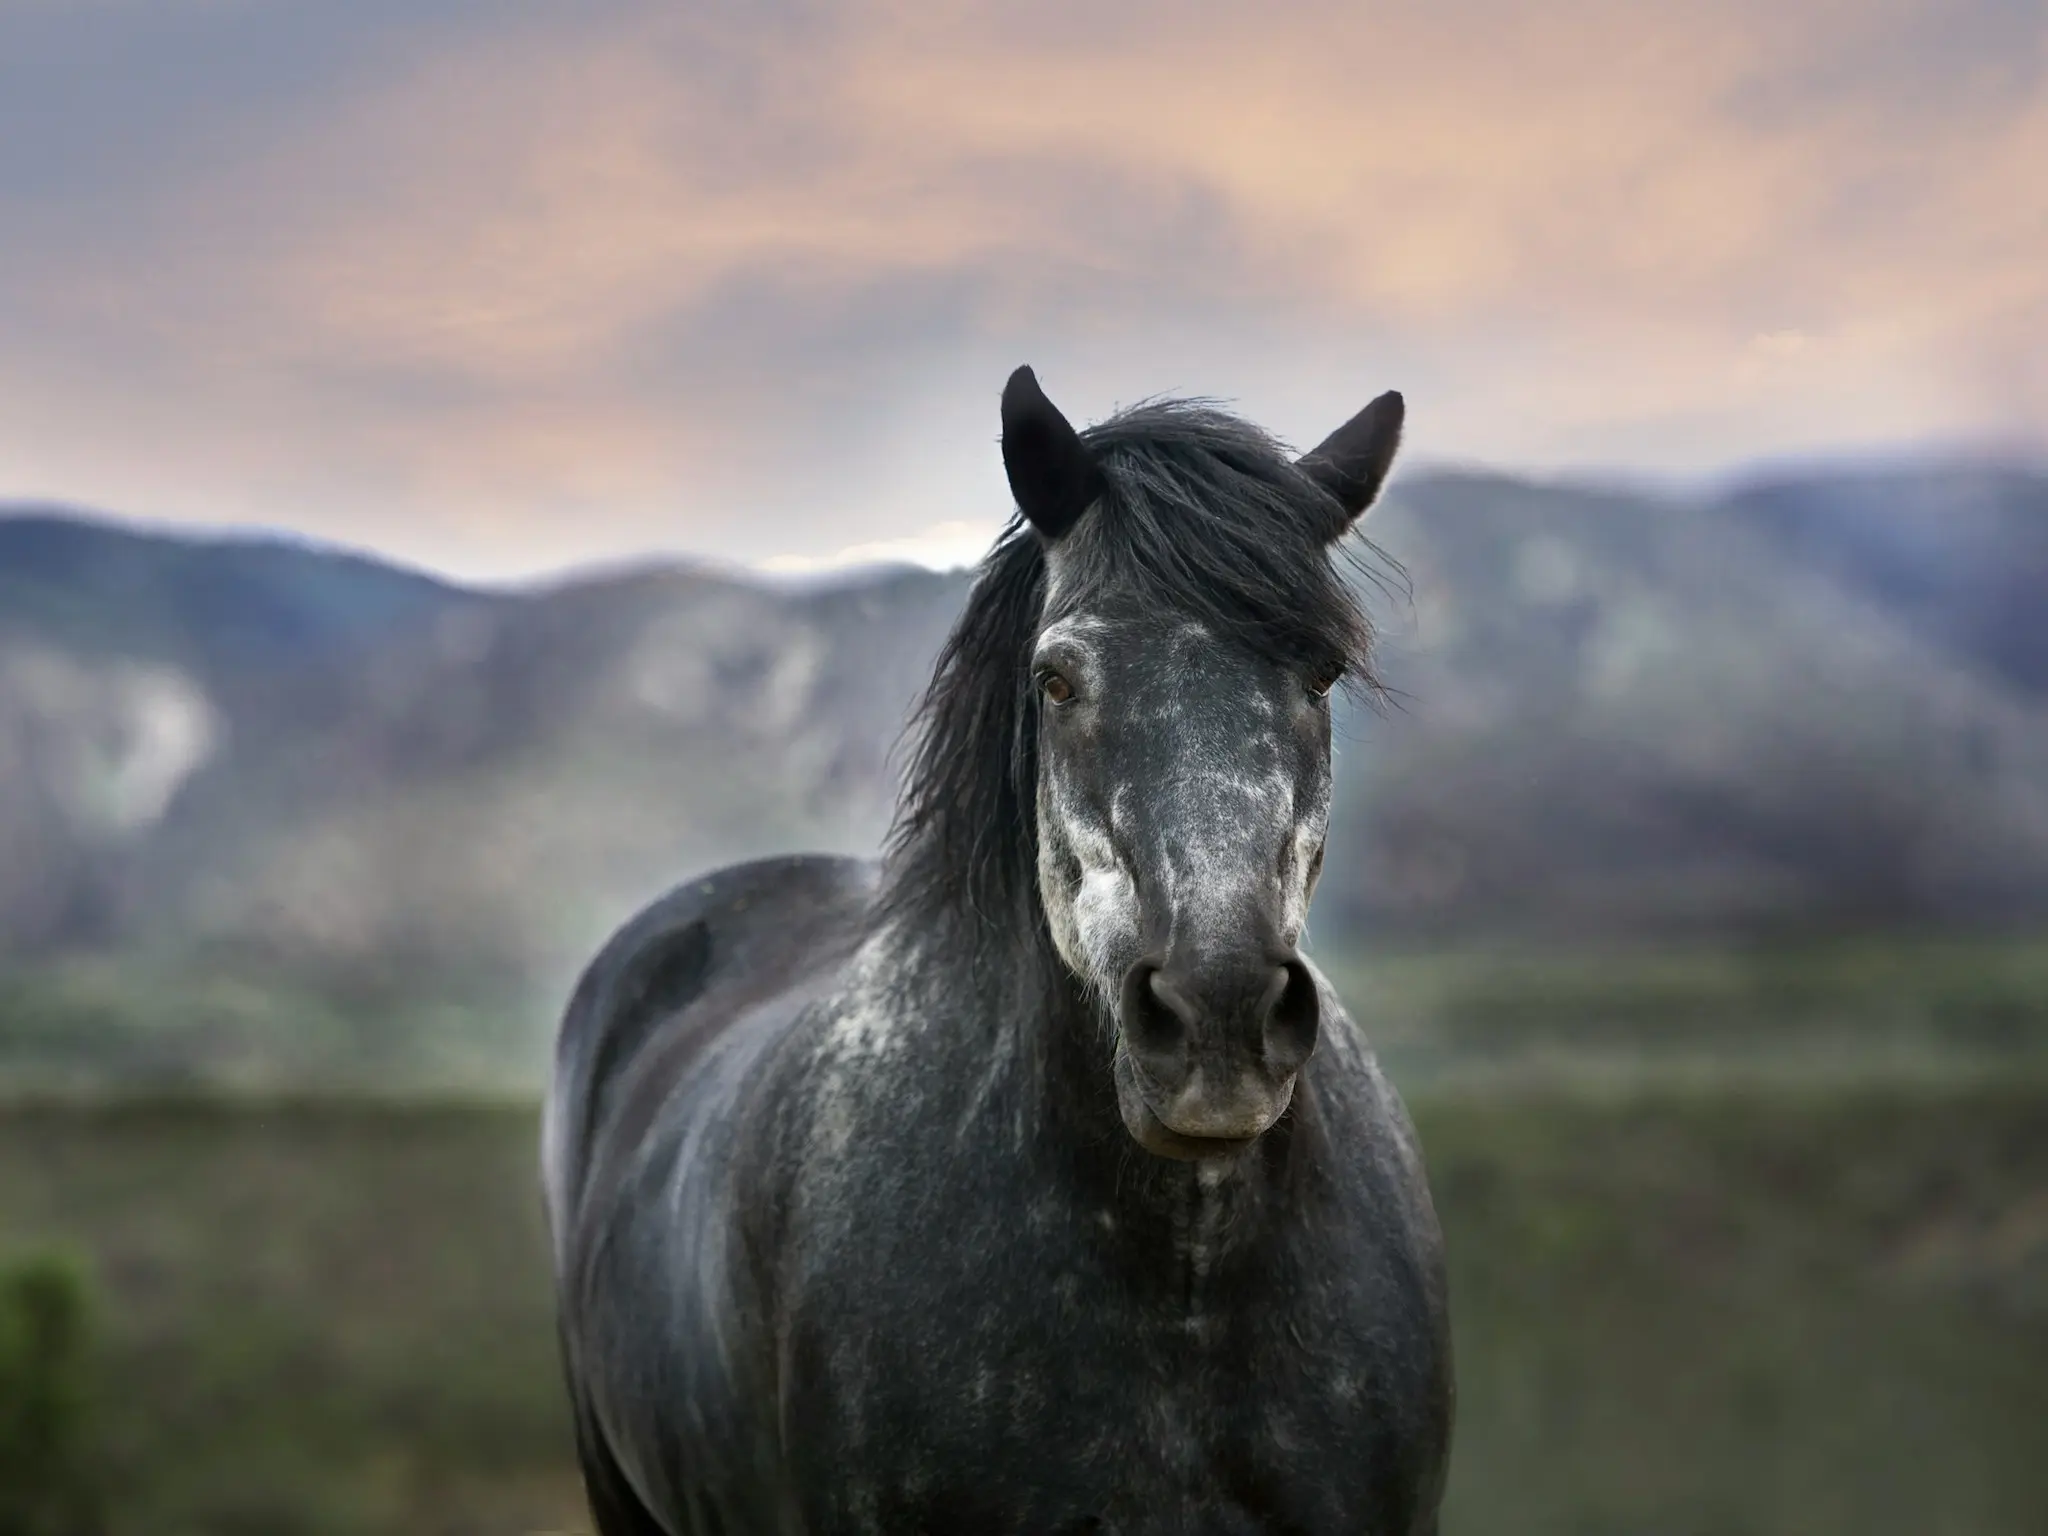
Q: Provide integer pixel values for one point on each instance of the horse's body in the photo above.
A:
(856, 1229)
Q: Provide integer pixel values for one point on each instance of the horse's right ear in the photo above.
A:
(1052, 474)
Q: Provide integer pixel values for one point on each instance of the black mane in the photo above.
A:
(1205, 517)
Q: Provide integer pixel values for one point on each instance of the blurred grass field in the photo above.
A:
(1825, 1009)
(1689, 1301)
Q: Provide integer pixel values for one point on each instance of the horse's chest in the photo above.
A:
(1031, 1375)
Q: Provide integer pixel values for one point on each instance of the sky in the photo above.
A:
(495, 288)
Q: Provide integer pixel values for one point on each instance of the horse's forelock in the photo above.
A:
(1209, 519)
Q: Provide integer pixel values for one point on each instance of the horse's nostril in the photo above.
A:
(1293, 1020)
(1155, 1016)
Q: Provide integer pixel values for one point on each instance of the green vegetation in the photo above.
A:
(47, 1486)
(319, 1320)
(1807, 1309)
(1800, 1310)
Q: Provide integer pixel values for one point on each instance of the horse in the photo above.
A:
(1029, 1178)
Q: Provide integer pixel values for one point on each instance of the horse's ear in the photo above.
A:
(1052, 474)
(1352, 462)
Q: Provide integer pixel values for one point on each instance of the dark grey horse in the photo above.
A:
(1033, 1181)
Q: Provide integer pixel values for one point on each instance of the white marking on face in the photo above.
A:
(1106, 908)
(1090, 917)
(1096, 917)
(1311, 828)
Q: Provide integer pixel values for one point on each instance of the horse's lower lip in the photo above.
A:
(1155, 1135)
(1161, 1138)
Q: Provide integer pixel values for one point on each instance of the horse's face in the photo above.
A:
(1182, 801)
(1183, 794)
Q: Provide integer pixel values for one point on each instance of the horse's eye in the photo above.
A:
(1057, 689)
(1320, 685)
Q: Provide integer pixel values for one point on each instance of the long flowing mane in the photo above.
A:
(1204, 517)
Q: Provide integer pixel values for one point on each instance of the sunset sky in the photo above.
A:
(497, 287)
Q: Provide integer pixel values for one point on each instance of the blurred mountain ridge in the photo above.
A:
(1816, 702)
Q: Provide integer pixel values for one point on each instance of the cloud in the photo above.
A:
(498, 286)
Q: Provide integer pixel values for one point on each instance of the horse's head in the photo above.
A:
(1192, 630)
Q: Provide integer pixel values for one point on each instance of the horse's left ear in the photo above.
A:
(1052, 474)
(1352, 462)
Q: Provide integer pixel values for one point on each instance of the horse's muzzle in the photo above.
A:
(1208, 1053)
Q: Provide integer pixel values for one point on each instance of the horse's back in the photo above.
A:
(668, 982)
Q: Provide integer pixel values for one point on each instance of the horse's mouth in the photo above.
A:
(1156, 1136)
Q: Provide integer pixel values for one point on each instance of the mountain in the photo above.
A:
(132, 662)
(223, 606)
(234, 772)
(1958, 552)
(1620, 715)
(263, 745)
